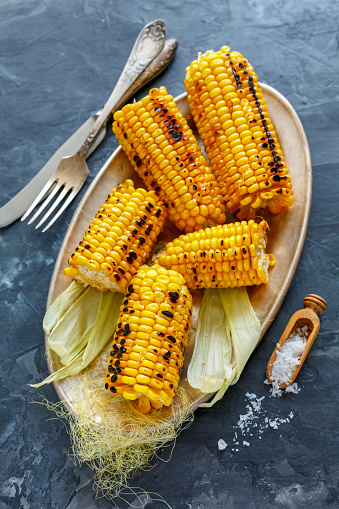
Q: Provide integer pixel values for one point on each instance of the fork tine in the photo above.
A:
(64, 191)
(62, 208)
(44, 204)
(44, 191)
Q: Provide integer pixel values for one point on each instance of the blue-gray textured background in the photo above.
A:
(59, 61)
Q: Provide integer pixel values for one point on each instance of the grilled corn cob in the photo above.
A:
(231, 116)
(119, 239)
(163, 150)
(150, 339)
(222, 256)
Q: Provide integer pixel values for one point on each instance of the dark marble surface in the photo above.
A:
(58, 63)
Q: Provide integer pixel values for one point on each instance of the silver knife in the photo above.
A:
(18, 205)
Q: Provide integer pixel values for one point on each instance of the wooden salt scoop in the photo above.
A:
(313, 306)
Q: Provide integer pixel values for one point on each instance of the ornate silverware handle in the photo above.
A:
(147, 46)
(158, 64)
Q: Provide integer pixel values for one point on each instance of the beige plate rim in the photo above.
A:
(282, 105)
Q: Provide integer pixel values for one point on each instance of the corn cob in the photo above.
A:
(151, 337)
(232, 119)
(231, 255)
(165, 153)
(119, 239)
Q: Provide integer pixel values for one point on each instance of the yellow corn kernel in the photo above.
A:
(153, 394)
(119, 239)
(156, 384)
(144, 358)
(130, 372)
(245, 245)
(141, 388)
(129, 393)
(180, 158)
(156, 404)
(232, 104)
(129, 380)
(144, 404)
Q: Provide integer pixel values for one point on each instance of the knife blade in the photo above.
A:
(18, 205)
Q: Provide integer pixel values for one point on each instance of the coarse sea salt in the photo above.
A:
(288, 358)
(221, 444)
(276, 392)
(252, 424)
(256, 421)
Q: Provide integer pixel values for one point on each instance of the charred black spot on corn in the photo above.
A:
(150, 359)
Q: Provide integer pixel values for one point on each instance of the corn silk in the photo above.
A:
(108, 432)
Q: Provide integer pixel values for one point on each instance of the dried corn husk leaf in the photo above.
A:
(96, 337)
(74, 324)
(211, 362)
(228, 332)
(60, 305)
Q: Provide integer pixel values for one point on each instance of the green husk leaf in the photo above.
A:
(104, 326)
(102, 330)
(211, 362)
(75, 323)
(60, 305)
(67, 358)
(244, 330)
(244, 324)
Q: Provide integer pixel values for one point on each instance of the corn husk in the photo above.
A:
(60, 305)
(211, 362)
(94, 339)
(227, 334)
(73, 325)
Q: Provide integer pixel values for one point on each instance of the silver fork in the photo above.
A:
(151, 53)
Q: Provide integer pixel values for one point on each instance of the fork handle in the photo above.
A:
(147, 46)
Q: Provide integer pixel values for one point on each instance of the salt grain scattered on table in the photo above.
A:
(221, 444)
(255, 422)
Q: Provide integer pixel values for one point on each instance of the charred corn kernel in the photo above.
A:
(224, 267)
(178, 171)
(147, 365)
(232, 119)
(119, 239)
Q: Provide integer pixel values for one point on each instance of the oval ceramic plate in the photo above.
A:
(285, 239)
